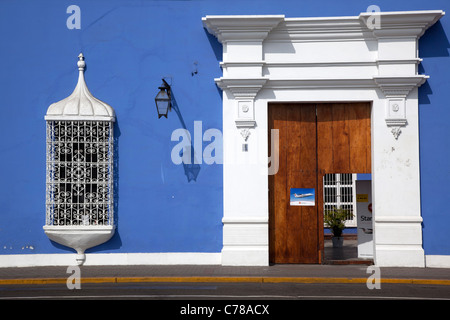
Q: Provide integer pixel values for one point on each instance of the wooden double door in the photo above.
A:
(314, 139)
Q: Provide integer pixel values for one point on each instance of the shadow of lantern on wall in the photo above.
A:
(165, 101)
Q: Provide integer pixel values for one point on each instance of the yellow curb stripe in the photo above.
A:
(417, 281)
(98, 280)
(54, 280)
(33, 281)
(313, 280)
(189, 279)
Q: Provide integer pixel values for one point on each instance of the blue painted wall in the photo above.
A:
(435, 136)
(129, 46)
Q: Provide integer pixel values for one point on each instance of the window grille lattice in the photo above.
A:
(79, 173)
(339, 189)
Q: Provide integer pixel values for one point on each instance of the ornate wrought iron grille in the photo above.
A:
(79, 173)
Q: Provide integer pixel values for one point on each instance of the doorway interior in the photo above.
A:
(349, 195)
(318, 142)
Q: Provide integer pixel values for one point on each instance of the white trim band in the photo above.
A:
(437, 261)
(109, 259)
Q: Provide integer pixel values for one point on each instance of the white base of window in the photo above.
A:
(111, 259)
(79, 238)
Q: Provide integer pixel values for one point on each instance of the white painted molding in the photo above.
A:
(244, 220)
(111, 259)
(399, 256)
(329, 83)
(437, 261)
(395, 86)
(241, 28)
(404, 24)
(244, 91)
(320, 29)
(246, 88)
(250, 30)
(396, 90)
(397, 219)
(245, 241)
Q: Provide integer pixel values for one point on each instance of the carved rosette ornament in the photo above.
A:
(396, 90)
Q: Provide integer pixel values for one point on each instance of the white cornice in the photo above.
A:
(289, 64)
(389, 85)
(399, 86)
(242, 88)
(337, 83)
(241, 28)
(403, 23)
(242, 64)
(320, 29)
(257, 28)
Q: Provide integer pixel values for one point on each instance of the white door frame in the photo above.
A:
(340, 59)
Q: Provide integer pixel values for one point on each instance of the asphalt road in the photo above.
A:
(225, 291)
(225, 300)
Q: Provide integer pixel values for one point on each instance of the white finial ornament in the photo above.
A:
(81, 104)
(81, 64)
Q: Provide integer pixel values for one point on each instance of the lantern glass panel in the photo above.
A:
(162, 102)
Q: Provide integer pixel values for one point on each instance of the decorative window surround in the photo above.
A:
(338, 59)
(80, 147)
(81, 104)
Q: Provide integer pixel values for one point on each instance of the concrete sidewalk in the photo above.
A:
(217, 273)
(342, 270)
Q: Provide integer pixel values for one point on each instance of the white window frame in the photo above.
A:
(80, 174)
(339, 203)
(78, 232)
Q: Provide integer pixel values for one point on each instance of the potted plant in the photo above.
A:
(335, 220)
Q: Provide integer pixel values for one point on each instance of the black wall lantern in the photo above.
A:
(163, 100)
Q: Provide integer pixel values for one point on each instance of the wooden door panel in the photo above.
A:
(293, 230)
(314, 139)
(343, 138)
(293, 173)
(325, 137)
(340, 143)
(277, 193)
(307, 234)
(343, 145)
(359, 137)
(324, 159)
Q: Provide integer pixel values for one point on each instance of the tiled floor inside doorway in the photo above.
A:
(348, 254)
